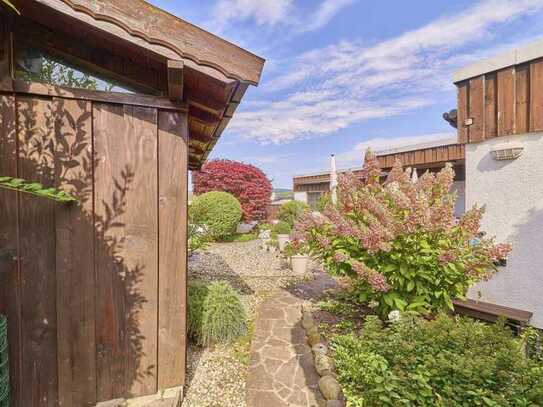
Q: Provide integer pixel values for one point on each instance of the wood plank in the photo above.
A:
(75, 254)
(536, 95)
(522, 98)
(159, 33)
(506, 102)
(126, 250)
(37, 249)
(175, 80)
(476, 110)
(173, 185)
(463, 110)
(5, 53)
(493, 311)
(10, 287)
(491, 103)
(42, 89)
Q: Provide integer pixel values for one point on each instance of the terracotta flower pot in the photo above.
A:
(282, 240)
(298, 264)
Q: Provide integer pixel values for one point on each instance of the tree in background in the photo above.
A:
(246, 182)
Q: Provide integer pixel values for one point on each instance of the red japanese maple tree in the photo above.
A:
(246, 182)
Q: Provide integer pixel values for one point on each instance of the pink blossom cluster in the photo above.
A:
(371, 214)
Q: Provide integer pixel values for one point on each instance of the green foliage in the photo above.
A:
(295, 247)
(264, 226)
(239, 237)
(399, 242)
(220, 212)
(282, 228)
(444, 362)
(291, 211)
(215, 313)
(33, 188)
(10, 5)
(198, 238)
(323, 202)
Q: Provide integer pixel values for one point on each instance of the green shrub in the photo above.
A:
(291, 211)
(239, 237)
(399, 241)
(198, 238)
(444, 362)
(220, 212)
(281, 228)
(215, 313)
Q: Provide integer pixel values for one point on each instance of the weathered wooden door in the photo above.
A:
(95, 292)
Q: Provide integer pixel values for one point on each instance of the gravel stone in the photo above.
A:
(217, 376)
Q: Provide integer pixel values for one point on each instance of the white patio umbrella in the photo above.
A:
(414, 176)
(333, 179)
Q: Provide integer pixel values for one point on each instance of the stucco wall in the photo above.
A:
(460, 188)
(300, 196)
(513, 194)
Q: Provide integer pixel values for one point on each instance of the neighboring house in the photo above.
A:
(498, 162)
(430, 156)
(500, 122)
(273, 208)
(113, 101)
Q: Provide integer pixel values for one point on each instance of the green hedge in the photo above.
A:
(444, 362)
(220, 212)
(291, 211)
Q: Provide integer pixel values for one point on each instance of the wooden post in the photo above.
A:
(175, 80)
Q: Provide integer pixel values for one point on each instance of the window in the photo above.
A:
(36, 65)
(313, 199)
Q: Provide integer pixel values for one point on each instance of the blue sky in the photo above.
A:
(342, 75)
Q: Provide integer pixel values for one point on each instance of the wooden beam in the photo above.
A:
(175, 80)
(203, 116)
(201, 137)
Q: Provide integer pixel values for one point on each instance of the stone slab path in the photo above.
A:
(281, 371)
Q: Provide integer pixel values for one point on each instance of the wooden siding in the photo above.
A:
(421, 159)
(95, 293)
(501, 103)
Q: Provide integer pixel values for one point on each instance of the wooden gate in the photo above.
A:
(95, 293)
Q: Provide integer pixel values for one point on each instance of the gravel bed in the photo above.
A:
(217, 376)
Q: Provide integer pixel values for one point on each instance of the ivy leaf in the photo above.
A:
(37, 189)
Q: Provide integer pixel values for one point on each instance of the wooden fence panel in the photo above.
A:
(522, 99)
(37, 248)
(476, 111)
(536, 96)
(75, 254)
(126, 249)
(10, 294)
(490, 108)
(173, 159)
(506, 102)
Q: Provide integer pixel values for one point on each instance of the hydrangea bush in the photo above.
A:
(399, 241)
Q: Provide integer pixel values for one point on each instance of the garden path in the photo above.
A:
(281, 370)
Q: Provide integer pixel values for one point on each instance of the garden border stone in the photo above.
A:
(322, 362)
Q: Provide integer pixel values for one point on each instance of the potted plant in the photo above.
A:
(264, 234)
(298, 253)
(282, 229)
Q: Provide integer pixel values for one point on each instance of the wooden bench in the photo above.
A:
(491, 312)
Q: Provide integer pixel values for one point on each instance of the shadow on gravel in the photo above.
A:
(225, 273)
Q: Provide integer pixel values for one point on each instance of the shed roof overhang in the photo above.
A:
(208, 73)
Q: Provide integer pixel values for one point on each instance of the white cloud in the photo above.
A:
(264, 12)
(355, 156)
(274, 12)
(326, 11)
(348, 82)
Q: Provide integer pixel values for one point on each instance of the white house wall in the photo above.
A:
(513, 194)
(460, 188)
(300, 196)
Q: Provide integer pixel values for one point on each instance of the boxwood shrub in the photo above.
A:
(220, 212)
(444, 362)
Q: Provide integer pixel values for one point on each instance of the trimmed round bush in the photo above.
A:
(290, 211)
(215, 313)
(220, 212)
(282, 228)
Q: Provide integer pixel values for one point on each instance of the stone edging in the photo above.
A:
(324, 365)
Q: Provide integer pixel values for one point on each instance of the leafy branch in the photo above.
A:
(10, 5)
(34, 188)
